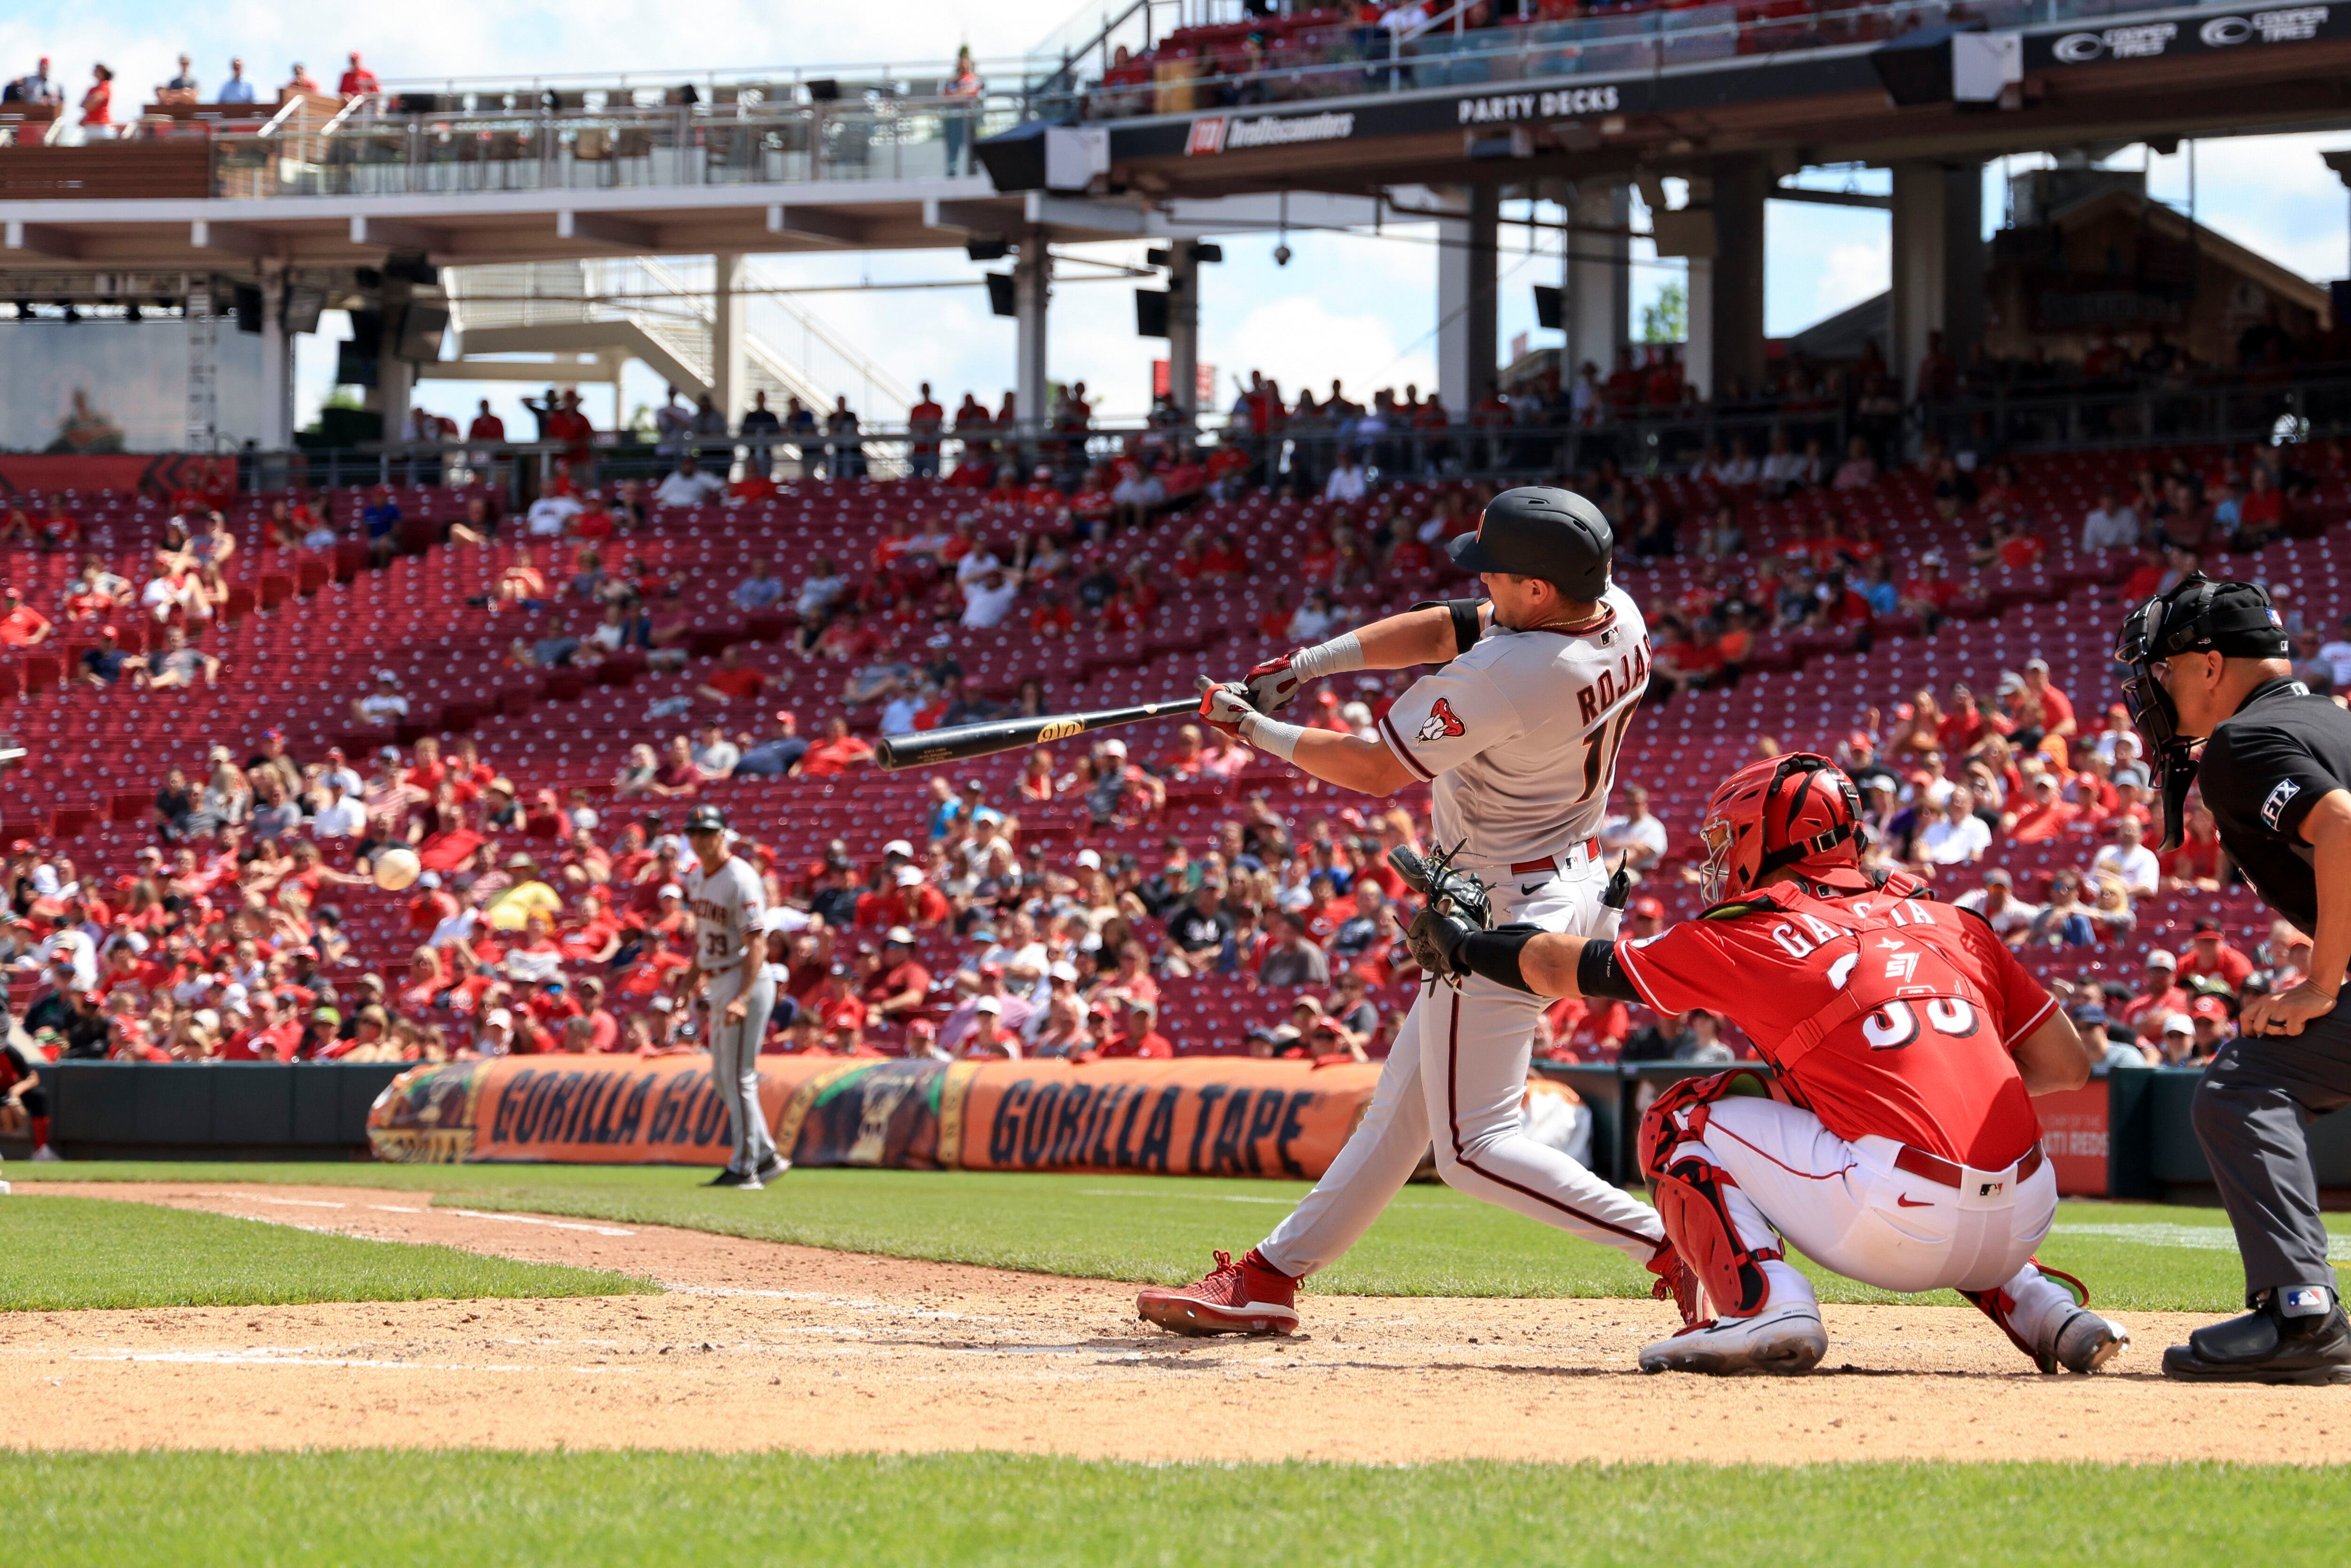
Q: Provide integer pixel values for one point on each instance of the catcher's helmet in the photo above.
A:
(705, 819)
(1798, 810)
(1538, 531)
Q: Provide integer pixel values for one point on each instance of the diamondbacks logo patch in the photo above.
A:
(1441, 724)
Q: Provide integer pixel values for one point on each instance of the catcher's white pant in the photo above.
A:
(735, 1063)
(1458, 1070)
(1847, 1206)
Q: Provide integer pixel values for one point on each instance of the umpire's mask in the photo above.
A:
(2234, 619)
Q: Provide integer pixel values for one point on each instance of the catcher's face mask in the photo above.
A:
(2234, 619)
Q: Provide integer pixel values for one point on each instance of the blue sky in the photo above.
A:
(1355, 307)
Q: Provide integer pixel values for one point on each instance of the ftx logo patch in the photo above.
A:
(2286, 791)
(1442, 725)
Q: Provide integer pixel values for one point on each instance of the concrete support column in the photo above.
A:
(1184, 327)
(729, 390)
(1699, 348)
(1732, 313)
(395, 385)
(1032, 291)
(1598, 275)
(1937, 264)
(276, 433)
(1466, 276)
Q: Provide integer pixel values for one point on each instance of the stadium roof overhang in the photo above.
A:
(231, 234)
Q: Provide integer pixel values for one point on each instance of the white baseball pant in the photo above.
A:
(1848, 1208)
(1458, 1068)
(735, 1062)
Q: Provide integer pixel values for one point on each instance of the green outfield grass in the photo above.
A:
(1432, 1240)
(71, 1252)
(660, 1507)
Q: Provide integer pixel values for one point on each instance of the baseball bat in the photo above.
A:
(926, 748)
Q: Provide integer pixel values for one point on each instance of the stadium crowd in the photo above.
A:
(555, 921)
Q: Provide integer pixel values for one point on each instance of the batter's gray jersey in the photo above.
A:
(728, 905)
(1519, 734)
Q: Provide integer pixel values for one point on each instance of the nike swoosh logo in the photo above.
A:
(1900, 1202)
(1530, 887)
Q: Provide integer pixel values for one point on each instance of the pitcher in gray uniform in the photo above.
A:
(730, 969)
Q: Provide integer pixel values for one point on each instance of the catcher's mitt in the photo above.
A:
(1458, 905)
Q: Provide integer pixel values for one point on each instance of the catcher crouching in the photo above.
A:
(1896, 1142)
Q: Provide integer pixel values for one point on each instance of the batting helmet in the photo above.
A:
(705, 819)
(1538, 531)
(1798, 810)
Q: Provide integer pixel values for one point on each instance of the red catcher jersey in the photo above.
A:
(1886, 1015)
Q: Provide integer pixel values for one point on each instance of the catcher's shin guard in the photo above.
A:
(1691, 1192)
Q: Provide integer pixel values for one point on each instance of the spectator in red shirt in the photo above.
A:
(2044, 709)
(909, 901)
(1931, 593)
(1139, 1039)
(2209, 957)
(2160, 996)
(2044, 814)
(835, 754)
(2199, 861)
(356, 80)
(901, 986)
(732, 681)
(21, 625)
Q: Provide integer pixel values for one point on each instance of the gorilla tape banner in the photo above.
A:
(1207, 1116)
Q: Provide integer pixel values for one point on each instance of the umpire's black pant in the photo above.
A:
(2252, 1113)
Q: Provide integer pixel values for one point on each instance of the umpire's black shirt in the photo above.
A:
(2264, 768)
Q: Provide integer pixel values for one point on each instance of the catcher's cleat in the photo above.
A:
(1250, 1297)
(2076, 1340)
(2086, 1342)
(1785, 1339)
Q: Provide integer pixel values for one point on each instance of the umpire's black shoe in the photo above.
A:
(2266, 1347)
(730, 1176)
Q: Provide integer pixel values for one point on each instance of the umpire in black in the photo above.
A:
(2208, 661)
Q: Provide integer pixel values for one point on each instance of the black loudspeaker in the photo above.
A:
(1015, 160)
(1151, 313)
(356, 364)
(413, 266)
(421, 327)
(1002, 300)
(249, 307)
(1549, 313)
(824, 89)
(1917, 68)
(987, 249)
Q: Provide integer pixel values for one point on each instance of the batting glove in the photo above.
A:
(1273, 685)
(1224, 705)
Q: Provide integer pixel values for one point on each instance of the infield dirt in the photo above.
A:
(763, 1345)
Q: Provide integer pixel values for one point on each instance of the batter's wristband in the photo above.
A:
(1335, 657)
(1495, 955)
(1271, 735)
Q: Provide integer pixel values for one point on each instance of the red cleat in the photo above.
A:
(1249, 1297)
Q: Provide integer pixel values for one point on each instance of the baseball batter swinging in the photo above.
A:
(729, 964)
(1896, 1142)
(1519, 732)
